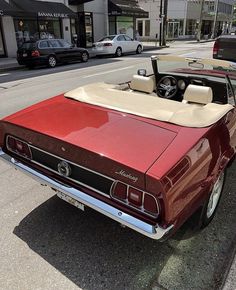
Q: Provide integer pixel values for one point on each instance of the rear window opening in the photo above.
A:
(28, 45)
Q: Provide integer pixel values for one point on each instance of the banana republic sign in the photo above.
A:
(52, 14)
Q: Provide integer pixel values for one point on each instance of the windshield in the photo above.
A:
(28, 45)
(107, 38)
(215, 70)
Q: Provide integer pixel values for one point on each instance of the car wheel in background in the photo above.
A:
(52, 61)
(209, 208)
(84, 56)
(118, 52)
(139, 49)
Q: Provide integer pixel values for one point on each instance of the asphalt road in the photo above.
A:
(47, 244)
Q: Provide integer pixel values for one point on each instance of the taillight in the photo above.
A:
(107, 44)
(120, 191)
(216, 47)
(18, 147)
(135, 198)
(35, 53)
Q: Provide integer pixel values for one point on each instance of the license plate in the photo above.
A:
(24, 54)
(70, 200)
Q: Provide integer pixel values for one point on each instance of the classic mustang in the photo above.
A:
(148, 153)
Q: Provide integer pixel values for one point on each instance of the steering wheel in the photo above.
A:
(167, 87)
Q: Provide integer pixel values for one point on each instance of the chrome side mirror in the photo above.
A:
(142, 72)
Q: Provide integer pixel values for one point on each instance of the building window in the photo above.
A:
(125, 25)
(49, 28)
(25, 29)
(191, 27)
(143, 27)
(89, 29)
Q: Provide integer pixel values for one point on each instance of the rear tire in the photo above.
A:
(52, 61)
(84, 56)
(139, 49)
(118, 52)
(210, 206)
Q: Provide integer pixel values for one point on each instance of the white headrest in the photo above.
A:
(198, 94)
(143, 83)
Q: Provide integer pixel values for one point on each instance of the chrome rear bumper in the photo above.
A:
(154, 232)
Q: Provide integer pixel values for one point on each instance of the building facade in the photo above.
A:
(183, 18)
(79, 21)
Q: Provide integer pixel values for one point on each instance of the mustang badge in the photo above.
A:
(64, 168)
(127, 175)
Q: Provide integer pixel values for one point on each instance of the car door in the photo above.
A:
(69, 51)
(130, 44)
(121, 42)
(57, 49)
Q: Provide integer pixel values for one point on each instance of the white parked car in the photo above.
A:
(117, 45)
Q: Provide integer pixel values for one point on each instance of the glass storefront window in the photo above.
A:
(125, 25)
(143, 27)
(191, 27)
(89, 29)
(2, 50)
(49, 28)
(25, 29)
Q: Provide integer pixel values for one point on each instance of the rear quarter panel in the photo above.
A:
(187, 175)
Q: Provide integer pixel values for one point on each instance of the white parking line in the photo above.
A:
(188, 54)
(3, 75)
(107, 72)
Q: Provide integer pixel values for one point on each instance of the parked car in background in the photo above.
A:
(225, 48)
(148, 153)
(49, 52)
(117, 45)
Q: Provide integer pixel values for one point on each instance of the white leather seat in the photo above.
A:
(198, 95)
(143, 84)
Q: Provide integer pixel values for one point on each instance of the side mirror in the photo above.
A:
(142, 72)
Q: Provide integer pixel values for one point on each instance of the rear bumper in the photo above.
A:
(154, 232)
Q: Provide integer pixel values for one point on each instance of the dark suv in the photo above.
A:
(49, 52)
(225, 48)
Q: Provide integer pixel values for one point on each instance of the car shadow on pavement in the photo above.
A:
(94, 252)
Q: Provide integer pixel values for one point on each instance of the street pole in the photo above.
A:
(200, 21)
(215, 19)
(161, 23)
(165, 22)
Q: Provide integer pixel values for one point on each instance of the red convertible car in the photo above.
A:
(148, 153)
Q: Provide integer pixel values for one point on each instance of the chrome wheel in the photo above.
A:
(84, 57)
(52, 61)
(215, 195)
(139, 49)
(118, 52)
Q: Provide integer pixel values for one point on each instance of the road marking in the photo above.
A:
(3, 75)
(188, 54)
(107, 72)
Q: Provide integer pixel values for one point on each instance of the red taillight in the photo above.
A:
(216, 47)
(150, 204)
(18, 147)
(135, 196)
(107, 44)
(35, 53)
(120, 191)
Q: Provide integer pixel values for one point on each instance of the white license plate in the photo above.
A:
(70, 200)
(24, 54)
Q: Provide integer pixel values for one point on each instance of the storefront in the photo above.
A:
(39, 19)
(122, 16)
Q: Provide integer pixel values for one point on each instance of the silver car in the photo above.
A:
(117, 45)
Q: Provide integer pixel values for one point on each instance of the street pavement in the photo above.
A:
(48, 244)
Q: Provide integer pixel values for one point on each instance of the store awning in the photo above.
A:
(126, 8)
(7, 9)
(78, 2)
(44, 9)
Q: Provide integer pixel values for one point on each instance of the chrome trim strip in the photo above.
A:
(154, 232)
(62, 159)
